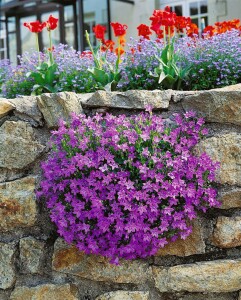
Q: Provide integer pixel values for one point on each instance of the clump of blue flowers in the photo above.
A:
(123, 187)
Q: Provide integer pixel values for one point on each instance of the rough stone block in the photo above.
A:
(45, 292)
(225, 149)
(193, 244)
(230, 198)
(27, 110)
(124, 295)
(31, 255)
(133, 99)
(5, 107)
(217, 105)
(227, 233)
(17, 204)
(58, 106)
(7, 267)
(68, 259)
(18, 147)
(220, 276)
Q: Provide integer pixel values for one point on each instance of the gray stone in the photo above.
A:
(68, 259)
(5, 107)
(58, 106)
(218, 105)
(18, 147)
(26, 109)
(46, 292)
(178, 96)
(227, 233)
(133, 99)
(124, 295)
(226, 149)
(31, 255)
(220, 276)
(230, 198)
(84, 97)
(18, 204)
(7, 268)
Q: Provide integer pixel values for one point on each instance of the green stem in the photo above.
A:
(51, 59)
(169, 35)
(118, 56)
(164, 36)
(97, 64)
(37, 43)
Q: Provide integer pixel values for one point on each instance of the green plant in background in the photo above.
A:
(169, 75)
(44, 76)
(107, 75)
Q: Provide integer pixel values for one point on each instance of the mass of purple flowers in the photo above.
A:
(123, 187)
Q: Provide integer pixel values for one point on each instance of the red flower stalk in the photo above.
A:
(51, 49)
(144, 30)
(108, 45)
(52, 23)
(119, 29)
(162, 18)
(119, 51)
(35, 26)
(99, 31)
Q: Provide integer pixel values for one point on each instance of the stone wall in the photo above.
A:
(36, 264)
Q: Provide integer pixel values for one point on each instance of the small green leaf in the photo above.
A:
(100, 76)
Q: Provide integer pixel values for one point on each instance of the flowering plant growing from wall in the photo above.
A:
(44, 74)
(124, 187)
(106, 74)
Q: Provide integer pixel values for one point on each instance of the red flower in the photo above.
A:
(35, 26)
(182, 23)
(87, 54)
(144, 30)
(192, 30)
(119, 29)
(167, 8)
(52, 23)
(108, 45)
(162, 18)
(209, 30)
(99, 31)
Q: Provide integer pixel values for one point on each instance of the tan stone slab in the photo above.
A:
(46, 292)
(68, 259)
(133, 99)
(124, 295)
(193, 244)
(226, 149)
(58, 106)
(217, 105)
(220, 276)
(18, 147)
(227, 232)
(18, 204)
(231, 198)
(209, 296)
(5, 107)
